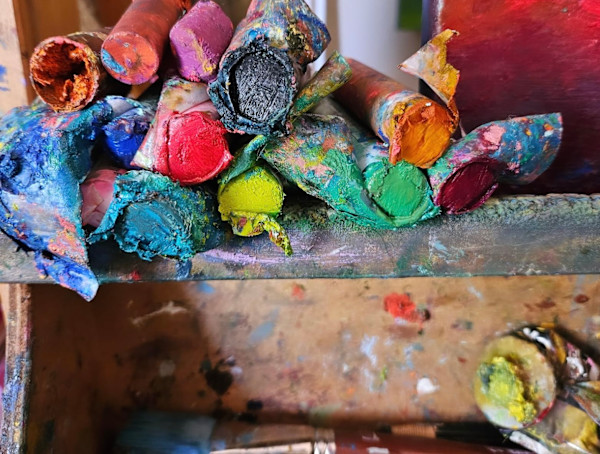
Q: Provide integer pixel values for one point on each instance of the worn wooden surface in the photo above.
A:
(511, 236)
(13, 79)
(318, 351)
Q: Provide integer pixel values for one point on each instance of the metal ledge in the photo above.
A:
(523, 235)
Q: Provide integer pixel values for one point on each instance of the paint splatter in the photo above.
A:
(426, 386)
(399, 305)
(298, 292)
(265, 329)
(218, 378)
(463, 325)
(546, 304)
(204, 287)
(2, 79)
(366, 347)
(582, 299)
(254, 405)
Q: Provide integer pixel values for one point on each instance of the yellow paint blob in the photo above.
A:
(504, 387)
(257, 190)
(422, 134)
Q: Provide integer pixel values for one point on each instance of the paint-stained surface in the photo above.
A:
(13, 80)
(523, 57)
(506, 236)
(320, 351)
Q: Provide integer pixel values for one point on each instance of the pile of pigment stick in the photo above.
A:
(224, 116)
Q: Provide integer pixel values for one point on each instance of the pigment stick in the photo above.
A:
(187, 141)
(401, 190)
(133, 50)
(151, 215)
(161, 432)
(260, 71)
(67, 73)
(416, 128)
(199, 39)
(514, 151)
(44, 155)
(251, 202)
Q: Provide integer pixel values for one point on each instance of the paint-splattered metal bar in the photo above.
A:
(67, 73)
(133, 51)
(199, 39)
(187, 141)
(416, 128)
(401, 190)
(151, 215)
(514, 151)
(259, 73)
(43, 157)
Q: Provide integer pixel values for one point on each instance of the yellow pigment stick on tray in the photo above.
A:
(251, 201)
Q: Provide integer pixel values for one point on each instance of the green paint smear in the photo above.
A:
(503, 387)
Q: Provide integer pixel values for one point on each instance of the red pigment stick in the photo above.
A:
(134, 49)
(199, 39)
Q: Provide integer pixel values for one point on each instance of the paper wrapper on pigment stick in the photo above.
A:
(67, 72)
(514, 151)
(416, 128)
(152, 215)
(260, 70)
(251, 202)
(199, 39)
(133, 50)
(401, 190)
(317, 157)
(44, 156)
(124, 134)
(187, 141)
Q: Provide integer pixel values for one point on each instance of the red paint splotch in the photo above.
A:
(399, 305)
(298, 291)
(582, 299)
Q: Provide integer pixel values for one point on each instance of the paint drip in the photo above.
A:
(400, 305)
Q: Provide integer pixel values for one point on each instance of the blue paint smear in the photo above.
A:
(264, 330)
(2, 73)
(205, 288)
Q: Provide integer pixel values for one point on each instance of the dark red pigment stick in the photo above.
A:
(133, 50)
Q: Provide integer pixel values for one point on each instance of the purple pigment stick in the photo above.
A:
(199, 39)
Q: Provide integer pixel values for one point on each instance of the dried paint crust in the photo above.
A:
(43, 158)
(151, 215)
(67, 73)
(260, 70)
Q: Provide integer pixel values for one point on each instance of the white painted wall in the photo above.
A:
(367, 30)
